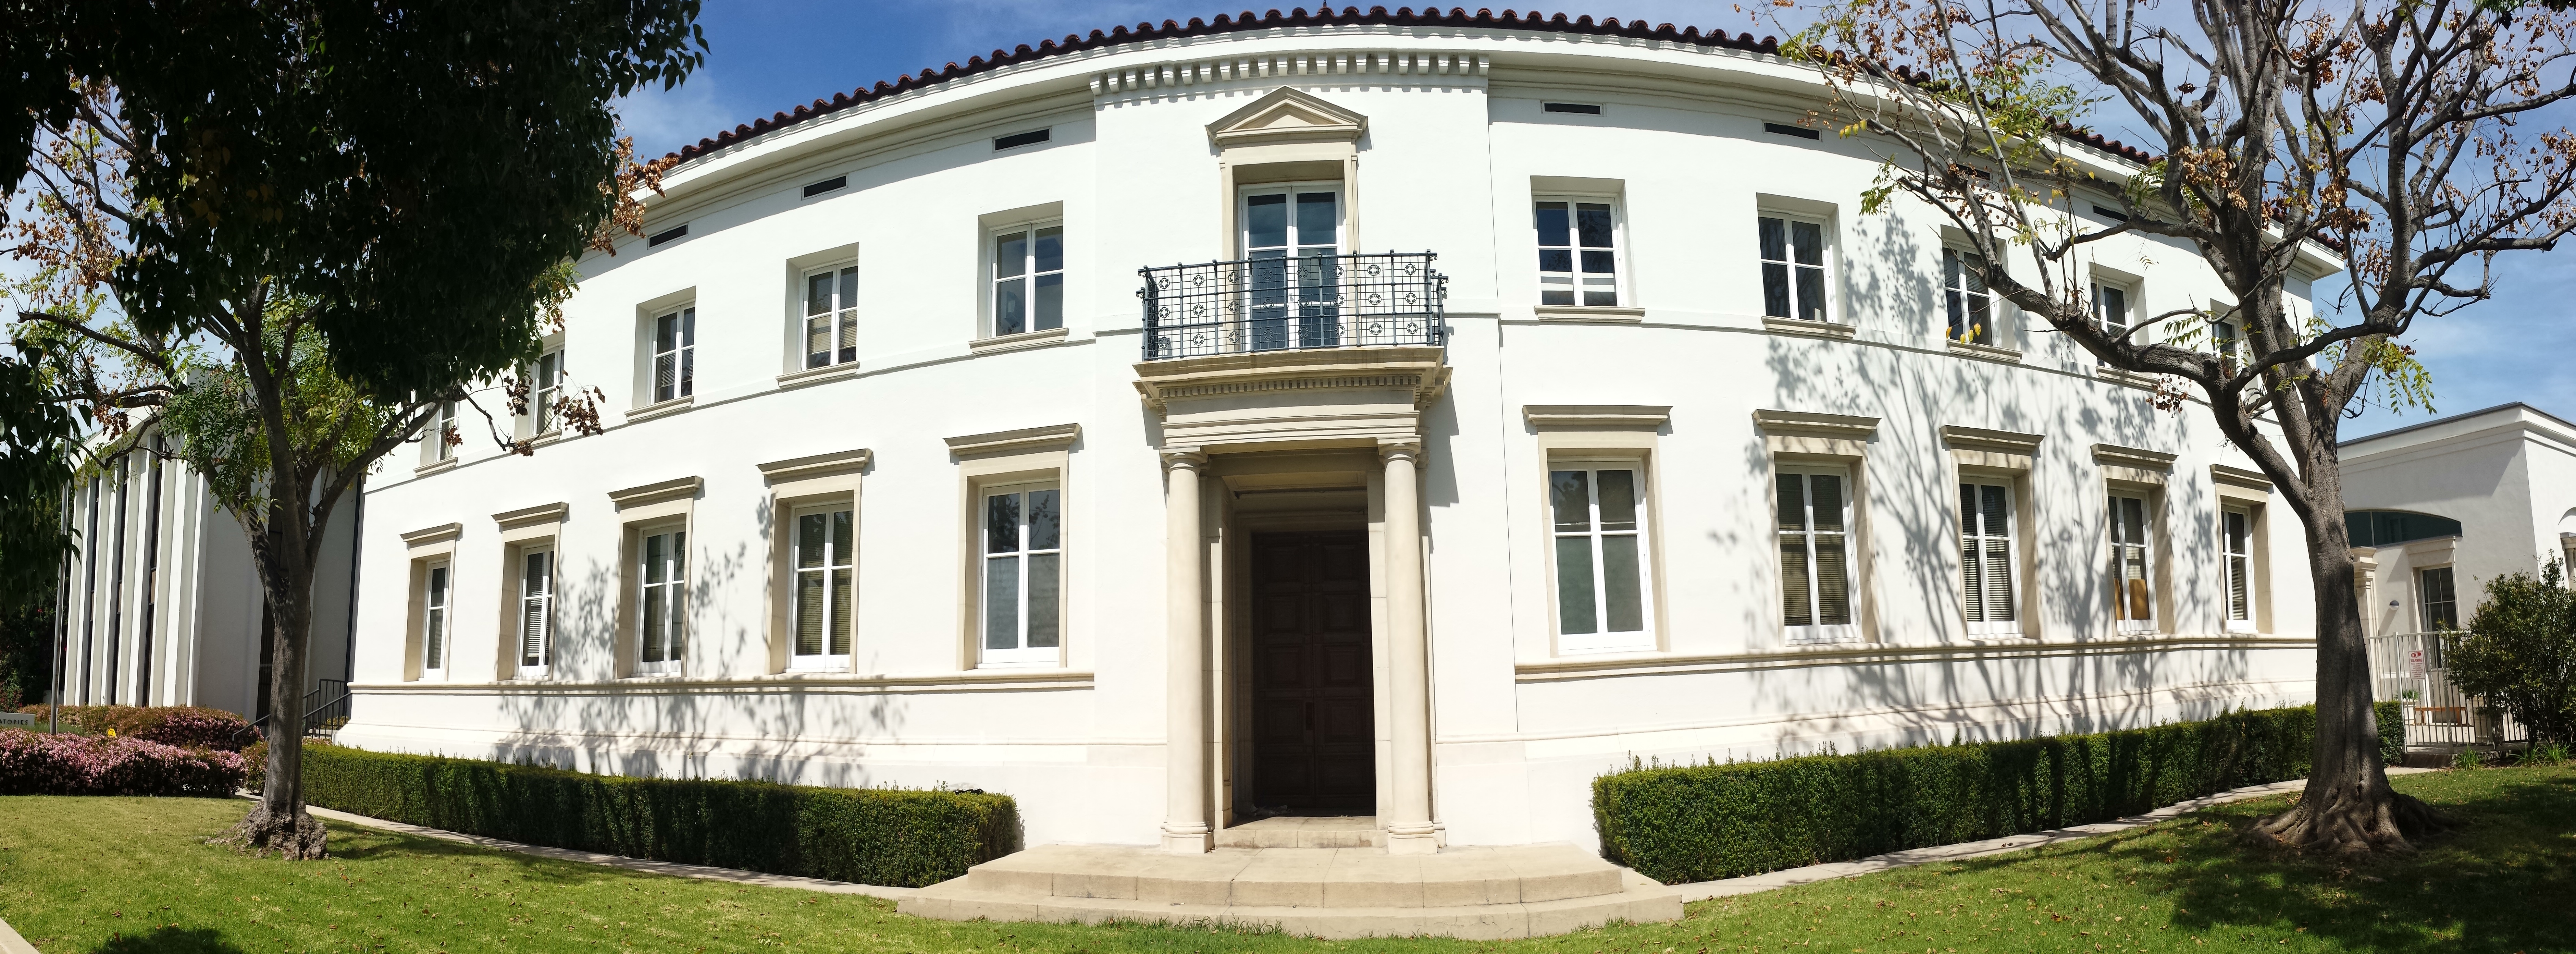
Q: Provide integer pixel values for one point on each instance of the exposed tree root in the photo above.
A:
(2352, 819)
(296, 837)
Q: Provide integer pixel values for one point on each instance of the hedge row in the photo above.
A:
(1704, 822)
(866, 836)
(38, 763)
(188, 727)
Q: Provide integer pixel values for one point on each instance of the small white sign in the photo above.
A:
(2415, 663)
(17, 719)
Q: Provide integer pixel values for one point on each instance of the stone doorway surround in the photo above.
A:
(1324, 423)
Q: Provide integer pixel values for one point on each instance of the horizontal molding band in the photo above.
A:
(1004, 680)
(1559, 670)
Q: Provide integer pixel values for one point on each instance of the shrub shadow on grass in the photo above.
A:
(170, 940)
(357, 843)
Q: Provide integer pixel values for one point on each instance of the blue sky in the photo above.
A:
(769, 55)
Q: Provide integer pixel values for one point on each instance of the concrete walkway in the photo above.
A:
(1790, 877)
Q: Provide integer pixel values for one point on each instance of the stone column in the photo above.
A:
(1408, 821)
(1185, 820)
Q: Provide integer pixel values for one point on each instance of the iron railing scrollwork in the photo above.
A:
(1279, 303)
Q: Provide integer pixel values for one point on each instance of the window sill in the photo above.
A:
(1590, 315)
(663, 409)
(433, 467)
(1021, 341)
(664, 675)
(546, 439)
(1796, 327)
(1983, 352)
(830, 372)
(2144, 382)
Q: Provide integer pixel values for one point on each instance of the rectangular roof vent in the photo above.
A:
(1587, 109)
(1016, 140)
(666, 235)
(1787, 130)
(826, 185)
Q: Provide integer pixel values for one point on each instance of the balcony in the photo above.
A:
(1277, 303)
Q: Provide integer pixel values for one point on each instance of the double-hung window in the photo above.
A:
(2236, 555)
(1971, 305)
(2441, 601)
(1986, 550)
(823, 562)
(1815, 554)
(433, 622)
(536, 610)
(662, 632)
(1023, 579)
(2132, 598)
(2111, 309)
(546, 390)
(832, 317)
(675, 355)
(1028, 279)
(443, 428)
(1599, 514)
(1793, 269)
(1578, 253)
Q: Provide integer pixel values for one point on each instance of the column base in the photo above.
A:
(1420, 838)
(1187, 839)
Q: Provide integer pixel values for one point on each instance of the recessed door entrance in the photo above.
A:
(1313, 748)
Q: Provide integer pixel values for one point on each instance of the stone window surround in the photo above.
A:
(427, 546)
(1615, 192)
(794, 484)
(2145, 474)
(791, 359)
(1600, 433)
(1838, 440)
(1010, 457)
(655, 506)
(521, 530)
(2012, 458)
(2249, 491)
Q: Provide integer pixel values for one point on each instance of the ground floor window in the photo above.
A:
(1988, 588)
(536, 610)
(2132, 600)
(1023, 574)
(2236, 551)
(662, 633)
(822, 557)
(1599, 514)
(433, 622)
(1815, 554)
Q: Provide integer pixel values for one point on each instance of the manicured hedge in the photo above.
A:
(867, 836)
(38, 763)
(188, 727)
(1704, 822)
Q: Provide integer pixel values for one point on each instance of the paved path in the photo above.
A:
(1749, 884)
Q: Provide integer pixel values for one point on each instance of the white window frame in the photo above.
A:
(1816, 631)
(1578, 282)
(2424, 596)
(1304, 295)
(1029, 278)
(443, 422)
(839, 313)
(437, 618)
(1021, 653)
(1798, 308)
(2126, 553)
(837, 555)
(2236, 570)
(1602, 638)
(1973, 526)
(545, 384)
(1962, 289)
(673, 372)
(670, 595)
(543, 637)
(2103, 314)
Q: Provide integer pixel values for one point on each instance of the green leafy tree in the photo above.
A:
(2519, 653)
(2389, 150)
(287, 232)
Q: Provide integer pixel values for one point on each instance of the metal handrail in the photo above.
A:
(1375, 299)
(326, 707)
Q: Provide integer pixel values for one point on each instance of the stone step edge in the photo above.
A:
(1641, 901)
(1608, 881)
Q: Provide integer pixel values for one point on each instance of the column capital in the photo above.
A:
(1183, 458)
(1390, 450)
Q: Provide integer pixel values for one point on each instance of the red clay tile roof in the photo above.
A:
(1246, 21)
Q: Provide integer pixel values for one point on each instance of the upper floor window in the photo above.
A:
(536, 610)
(1971, 304)
(1293, 284)
(2111, 309)
(1578, 253)
(820, 617)
(1986, 555)
(832, 317)
(662, 631)
(1599, 514)
(675, 355)
(547, 390)
(2132, 601)
(1028, 279)
(1815, 554)
(1023, 584)
(433, 622)
(1793, 268)
(2236, 554)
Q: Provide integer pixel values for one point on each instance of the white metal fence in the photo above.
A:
(2407, 668)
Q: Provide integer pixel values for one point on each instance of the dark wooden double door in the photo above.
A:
(1314, 750)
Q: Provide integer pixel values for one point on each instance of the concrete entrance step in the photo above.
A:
(1335, 831)
(1484, 893)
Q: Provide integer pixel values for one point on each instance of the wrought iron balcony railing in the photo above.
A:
(1279, 303)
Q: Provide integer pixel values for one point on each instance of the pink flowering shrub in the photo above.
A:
(34, 763)
(188, 727)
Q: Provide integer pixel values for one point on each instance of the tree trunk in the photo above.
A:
(279, 822)
(2348, 806)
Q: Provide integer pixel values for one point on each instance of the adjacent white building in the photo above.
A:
(2454, 502)
(1550, 404)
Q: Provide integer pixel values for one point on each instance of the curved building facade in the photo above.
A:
(1408, 417)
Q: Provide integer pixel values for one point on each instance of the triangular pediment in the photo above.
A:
(1288, 114)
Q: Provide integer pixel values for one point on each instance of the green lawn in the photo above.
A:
(131, 875)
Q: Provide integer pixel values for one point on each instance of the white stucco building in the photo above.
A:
(1664, 450)
(2454, 502)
